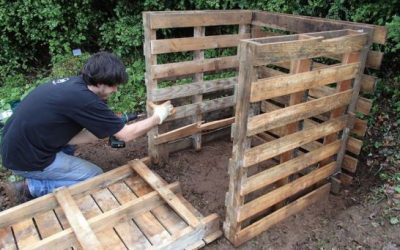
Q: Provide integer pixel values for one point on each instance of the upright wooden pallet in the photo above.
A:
(274, 24)
(127, 208)
(192, 119)
(297, 150)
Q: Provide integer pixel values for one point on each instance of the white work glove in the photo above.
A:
(163, 110)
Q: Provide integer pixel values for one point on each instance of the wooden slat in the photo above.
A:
(283, 85)
(193, 89)
(279, 215)
(268, 150)
(350, 163)
(178, 133)
(360, 127)
(192, 129)
(167, 195)
(47, 223)
(168, 70)
(278, 118)
(127, 230)
(368, 83)
(108, 219)
(354, 145)
(25, 233)
(374, 59)
(238, 174)
(164, 214)
(7, 239)
(179, 19)
(205, 106)
(302, 49)
(195, 43)
(79, 224)
(285, 169)
(364, 105)
(305, 24)
(279, 194)
(90, 209)
(197, 78)
(157, 153)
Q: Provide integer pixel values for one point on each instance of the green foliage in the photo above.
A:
(33, 31)
(132, 95)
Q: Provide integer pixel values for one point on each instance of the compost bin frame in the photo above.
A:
(192, 130)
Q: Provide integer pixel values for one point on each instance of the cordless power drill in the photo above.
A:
(125, 118)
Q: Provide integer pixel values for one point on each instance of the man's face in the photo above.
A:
(104, 91)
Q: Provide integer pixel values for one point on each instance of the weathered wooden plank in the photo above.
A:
(256, 206)
(364, 105)
(302, 49)
(360, 127)
(180, 19)
(178, 133)
(25, 233)
(374, 59)
(166, 194)
(288, 84)
(198, 77)
(271, 149)
(203, 107)
(238, 174)
(350, 163)
(368, 83)
(194, 88)
(354, 145)
(165, 215)
(285, 169)
(195, 43)
(6, 239)
(47, 223)
(256, 32)
(192, 129)
(168, 70)
(127, 230)
(108, 219)
(158, 154)
(278, 118)
(79, 224)
(305, 24)
(279, 215)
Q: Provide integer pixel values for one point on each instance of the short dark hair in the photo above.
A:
(104, 68)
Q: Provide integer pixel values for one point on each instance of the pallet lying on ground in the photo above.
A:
(127, 208)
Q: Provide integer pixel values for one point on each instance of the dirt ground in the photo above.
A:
(351, 220)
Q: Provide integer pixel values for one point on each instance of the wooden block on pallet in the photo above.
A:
(125, 212)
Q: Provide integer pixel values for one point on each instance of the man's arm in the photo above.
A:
(85, 136)
(132, 131)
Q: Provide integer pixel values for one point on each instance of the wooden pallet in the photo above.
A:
(306, 152)
(127, 208)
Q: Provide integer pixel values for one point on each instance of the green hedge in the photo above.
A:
(38, 36)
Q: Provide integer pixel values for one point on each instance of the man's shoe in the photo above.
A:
(17, 192)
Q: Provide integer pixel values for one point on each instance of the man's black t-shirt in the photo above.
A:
(48, 118)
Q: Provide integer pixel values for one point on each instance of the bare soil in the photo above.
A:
(350, 220)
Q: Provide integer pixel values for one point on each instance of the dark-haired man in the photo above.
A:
(64, 112)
